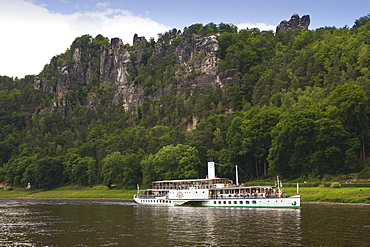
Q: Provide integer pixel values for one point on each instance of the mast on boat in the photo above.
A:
(278, 185)
(297, 188)
(212, 173)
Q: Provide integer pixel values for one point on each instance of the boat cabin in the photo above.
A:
(191, 183)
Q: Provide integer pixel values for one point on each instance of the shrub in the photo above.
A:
(365, 173)
(327, 177)
(356, 184)
(335, 185)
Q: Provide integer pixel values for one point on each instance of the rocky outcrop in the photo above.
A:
(295, 22)
(40, 84)
(198, 54)
(68, 77)
(197, 57)
(116, 67)
(119, 65)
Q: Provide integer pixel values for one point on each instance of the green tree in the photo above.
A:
(171, 162)
(362, 21)
(93, 174)
(81, 170)
(16, 169)
(292, 144)
(257, 135)
(48, 172)
(131, 173)
(235, 141)
(112, 169)
(351, 102)
(334, 148)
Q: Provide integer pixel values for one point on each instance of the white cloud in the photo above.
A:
(32, 35)
(261, 26)
(103, 5)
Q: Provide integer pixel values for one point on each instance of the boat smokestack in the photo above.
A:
(211, 170)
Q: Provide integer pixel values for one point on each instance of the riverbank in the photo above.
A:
(316, 195)
(335, 203)
(322, 194)
(73, 192)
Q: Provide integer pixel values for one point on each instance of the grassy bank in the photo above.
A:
(327, 194)
(308, 194)
(70, 192)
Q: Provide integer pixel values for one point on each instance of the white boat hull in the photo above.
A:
(273, 202)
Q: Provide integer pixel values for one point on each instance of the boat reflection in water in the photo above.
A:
(224, 226)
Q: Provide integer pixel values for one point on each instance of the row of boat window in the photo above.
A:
(156, 201)
(186, 192)
(236, 202)
(214, 202)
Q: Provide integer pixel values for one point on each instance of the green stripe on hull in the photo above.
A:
(193, 204)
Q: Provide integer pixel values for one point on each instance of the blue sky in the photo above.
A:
(184, 13)
(37, 30)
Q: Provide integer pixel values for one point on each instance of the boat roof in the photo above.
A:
(214, 180)
(255, 187)
(230, 188)
(191, 180)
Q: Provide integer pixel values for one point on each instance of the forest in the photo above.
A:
(298, 107)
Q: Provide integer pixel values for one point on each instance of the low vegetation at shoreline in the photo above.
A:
(70, 192)
(308, 194)
(327, 194)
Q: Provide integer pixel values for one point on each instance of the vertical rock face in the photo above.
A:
(196, 57)
(116, 67)
(71, 76)
(198, 54)
(115, 63)
(295, 22)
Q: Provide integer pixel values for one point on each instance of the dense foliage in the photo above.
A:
(299, 106)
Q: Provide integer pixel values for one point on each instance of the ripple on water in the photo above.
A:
(114, 223)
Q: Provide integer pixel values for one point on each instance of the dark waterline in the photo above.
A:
(48, 222)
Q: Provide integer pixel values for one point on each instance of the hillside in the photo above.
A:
(293, 103)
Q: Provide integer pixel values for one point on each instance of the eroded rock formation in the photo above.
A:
(195, 55)
(295, 22)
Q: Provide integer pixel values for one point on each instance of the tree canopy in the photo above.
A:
(298, 105)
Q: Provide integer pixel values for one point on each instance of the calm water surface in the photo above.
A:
(114, 223)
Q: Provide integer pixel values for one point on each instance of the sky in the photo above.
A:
(33, 31)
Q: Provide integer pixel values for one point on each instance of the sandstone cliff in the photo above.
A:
(295, 22)
(119, 64)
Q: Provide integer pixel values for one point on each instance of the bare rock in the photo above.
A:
(295, 22)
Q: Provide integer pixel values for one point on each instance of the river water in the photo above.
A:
(41, 222)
